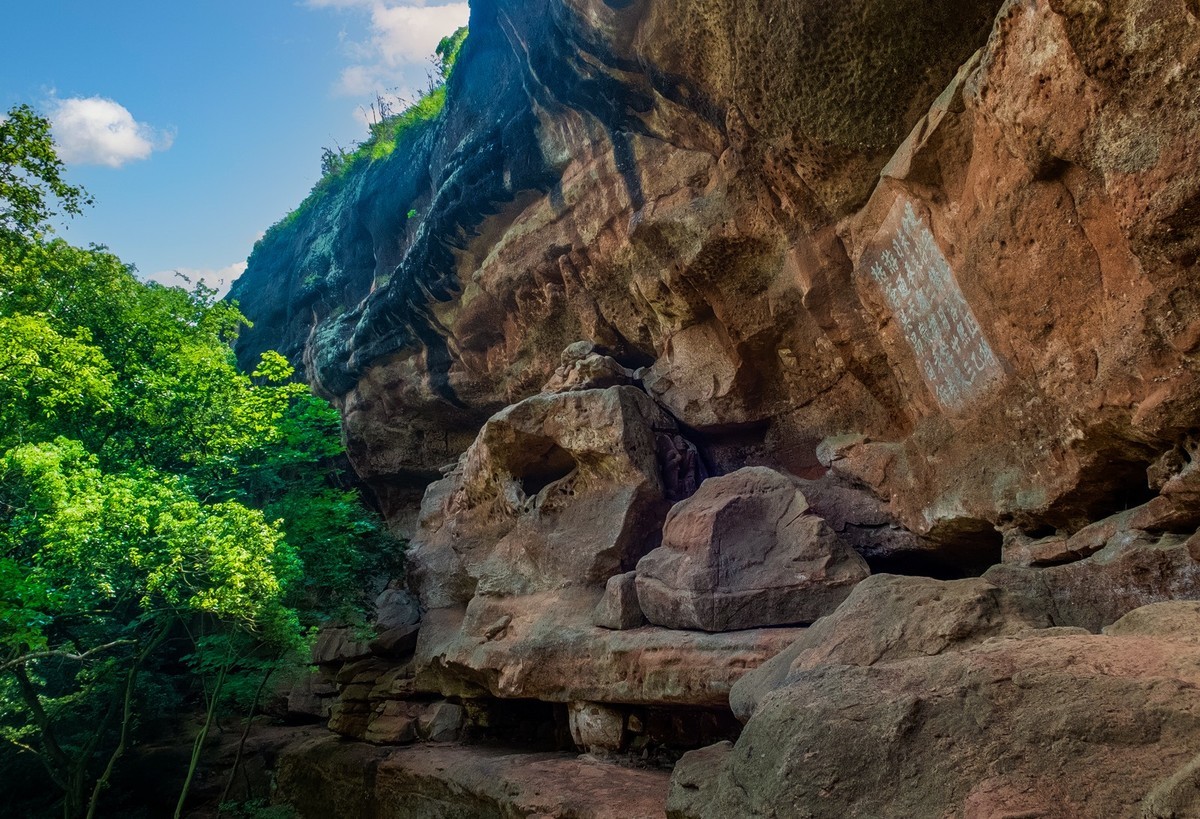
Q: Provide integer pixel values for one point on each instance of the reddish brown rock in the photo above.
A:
(1021, 550)
(558, 490)
(550, 650)
(340, 644)
(1043, 178)
(953, 289)
(720, 231)
(619, 609)
(394, 684)
(395, 642)
(745, 551)
(585, 368)
(392, 723)
(1133, 569)
(441, 721)
(323, 778)
(312, 696)
(395, 608)
(1043, 723)
(597, 727)
(688, 230)
(865, 523)
(888, 618)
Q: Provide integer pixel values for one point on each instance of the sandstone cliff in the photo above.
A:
(930, 269)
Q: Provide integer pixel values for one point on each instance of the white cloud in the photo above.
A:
(99, 131)
(409, 34)
(402, 35)
(358, 80)
(186, 277)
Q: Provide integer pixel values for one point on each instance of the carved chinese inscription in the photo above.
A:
(955, 359)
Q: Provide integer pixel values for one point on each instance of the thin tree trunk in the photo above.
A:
(126, 718)
(237, 758)
(59, 764)
(198, 746)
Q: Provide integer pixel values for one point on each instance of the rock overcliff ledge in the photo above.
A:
(794, 406)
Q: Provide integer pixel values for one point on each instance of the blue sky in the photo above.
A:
(196, 125)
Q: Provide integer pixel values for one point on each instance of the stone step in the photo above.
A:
(328, 777)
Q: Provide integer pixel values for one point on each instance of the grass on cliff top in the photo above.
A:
(385, 133)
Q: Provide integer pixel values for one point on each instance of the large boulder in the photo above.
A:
(557, 490)
(746, 551)
(1047, 723)
(888, 618)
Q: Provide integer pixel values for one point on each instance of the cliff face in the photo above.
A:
(662, 179)
(698, 188)
(937, 262)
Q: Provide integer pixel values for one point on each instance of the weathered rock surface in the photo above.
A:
(619, 608)
(1134, 569)
(597, 727)
(745, 551)
(737, 235)
(340, 644)
(944, 276)
(545, 647)
(557, 490)
(888, 618)
(636, 176)
(324, 778)
(584, 367)
(395, 608)
(312, 696)
(1041, 723)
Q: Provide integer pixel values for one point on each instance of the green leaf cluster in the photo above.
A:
(31, 175)
(388, 131)
(160, 511)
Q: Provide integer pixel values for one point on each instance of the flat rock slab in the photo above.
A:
(545, 647)
(327, 777)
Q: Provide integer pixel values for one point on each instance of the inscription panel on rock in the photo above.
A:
(910, 269)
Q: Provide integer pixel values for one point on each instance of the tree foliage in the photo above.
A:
(390, 121)
(445, 56)
(31, 174)
(159, 509)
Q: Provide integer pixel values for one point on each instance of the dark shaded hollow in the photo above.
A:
(1114, 484)
(541, 463)
(529, 725)
(968, 551)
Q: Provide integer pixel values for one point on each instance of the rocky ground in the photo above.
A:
(792, 410)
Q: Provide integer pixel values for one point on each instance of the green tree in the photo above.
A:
(445, 56)
(159, 509)
(31, 175)
(110, 564)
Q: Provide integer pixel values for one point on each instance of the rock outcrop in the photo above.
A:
(559, 490)
(1016, 270)
(1053, 722)
(331, 779)
(1134, 569)
(546, 647)
(637, 176)
(908, 286)
(888, 618)
(745, 551)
